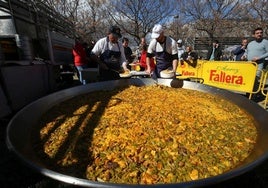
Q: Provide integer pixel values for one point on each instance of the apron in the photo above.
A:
(112, 60)
(163, 61)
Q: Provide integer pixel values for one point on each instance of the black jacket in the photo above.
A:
(239, 52)
(217, 54)
(185, 55)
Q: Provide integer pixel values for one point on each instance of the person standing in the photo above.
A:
(215, 52)
(127, 50)
(239, 52)
(141, 47)
(80, 57)
(181, 49)
(190, 56)
(257, 49)
(88, 48)
(165, 51)
(110, 55)
(143, 56)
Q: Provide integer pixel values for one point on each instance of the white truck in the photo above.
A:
(35, 53)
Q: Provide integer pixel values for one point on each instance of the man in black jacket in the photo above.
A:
(190, 56)
(240, 50)
(127, 50)
(215, 52)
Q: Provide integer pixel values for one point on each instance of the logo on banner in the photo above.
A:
(225, 77)
(229, 75)
(188, 73)
(237, 76)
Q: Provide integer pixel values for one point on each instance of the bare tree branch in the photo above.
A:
(137, 17)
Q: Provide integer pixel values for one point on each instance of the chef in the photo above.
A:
(165, 51)
(109, 53)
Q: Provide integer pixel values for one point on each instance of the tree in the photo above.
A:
(211, 18)
(66, 8)
(258, 14)
(137, 17)
(184, 19)
(86, 15)
(91, 23)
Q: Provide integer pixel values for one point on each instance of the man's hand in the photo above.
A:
(148, 70)
(254, 59)
(124, 65)
(244, 58)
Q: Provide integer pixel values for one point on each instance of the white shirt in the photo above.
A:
(181, 50)
(101, 45)
(171, 46)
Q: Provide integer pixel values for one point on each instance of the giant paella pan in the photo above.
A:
(24, 138)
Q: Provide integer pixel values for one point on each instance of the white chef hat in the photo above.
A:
(157, 30)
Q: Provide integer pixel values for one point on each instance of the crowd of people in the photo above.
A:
(112, 55)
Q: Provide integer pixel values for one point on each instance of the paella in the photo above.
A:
(145, 135)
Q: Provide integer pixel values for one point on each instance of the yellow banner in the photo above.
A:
(230, 75)
(190, 69)
(236, 76)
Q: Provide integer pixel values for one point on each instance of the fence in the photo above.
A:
(237, 76)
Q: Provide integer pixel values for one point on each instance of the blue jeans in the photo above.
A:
(79, 69)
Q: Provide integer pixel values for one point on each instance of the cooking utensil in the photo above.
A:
(122, 74)
(167, 74)
(175, 82)
(125, 75)
(21, 129)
